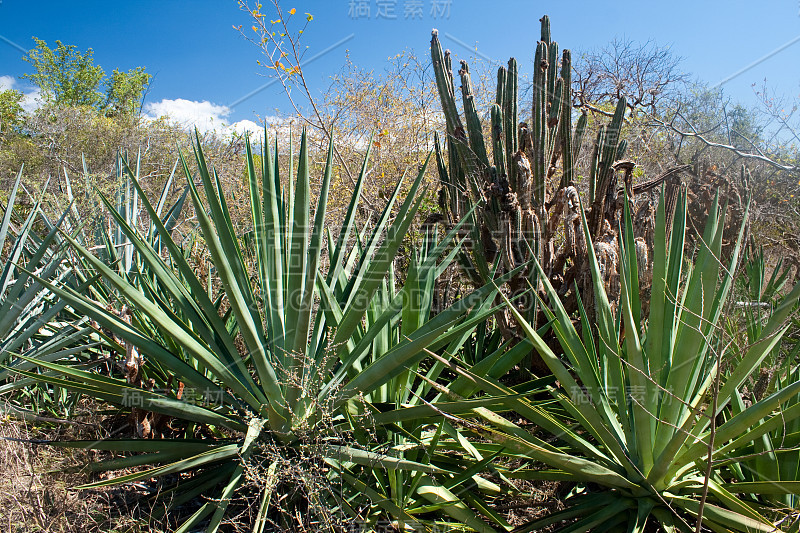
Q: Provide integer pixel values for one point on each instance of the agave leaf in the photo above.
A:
(763, 487)
(228, 261)
(715, 515)
(119, 392)
(196, 302)
(209, 457)
(143, 304)
(451, 504)
(372, 277)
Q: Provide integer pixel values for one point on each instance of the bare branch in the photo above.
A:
(702, 138)
(645, 74)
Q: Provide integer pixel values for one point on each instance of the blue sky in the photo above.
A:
(196, 56)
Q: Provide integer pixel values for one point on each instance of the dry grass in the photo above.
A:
(35, 493)
(541, 498)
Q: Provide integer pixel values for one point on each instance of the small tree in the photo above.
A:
(65, 75)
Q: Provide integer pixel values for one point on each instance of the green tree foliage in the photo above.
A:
(68, 77)
(10, 109)
(83, 112)
(65, 75)
(124, 91)
(708, 110)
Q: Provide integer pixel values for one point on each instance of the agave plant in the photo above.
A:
(645, 399)
(771, 462)
(767, 469)
(288, 363)
(113, 247)
(760, 293)
(32, 319)
(35, 320)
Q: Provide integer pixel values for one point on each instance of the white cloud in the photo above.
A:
(256, 131)
(209, 117)
(275, 126)
(7, 82)
(204, 115)
(31, 102)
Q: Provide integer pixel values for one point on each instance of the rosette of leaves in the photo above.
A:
(35, 320)
(287, 364)
(654, 424)
(32, 318)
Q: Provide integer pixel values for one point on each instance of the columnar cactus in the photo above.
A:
(525, 209)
